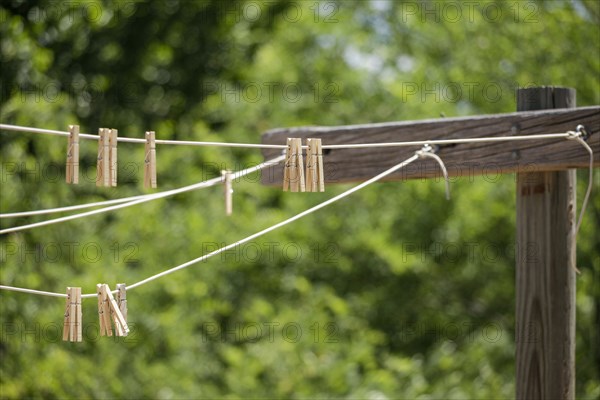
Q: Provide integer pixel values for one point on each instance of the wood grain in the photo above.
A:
(545, 265)
(490, 159)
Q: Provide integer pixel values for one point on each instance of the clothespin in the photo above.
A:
(122, 299)
(113, 156)
(311, 166)
(73, 325)
(73, 155)
(315, 178)
(103, 167)
(228, 188)
(287, 167)
(108, 310)
(150, 161)
(67, 320)
(293, 173)
(300, 166)
(121, 328)
(103, 311)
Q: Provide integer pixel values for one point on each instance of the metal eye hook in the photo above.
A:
(583, 132)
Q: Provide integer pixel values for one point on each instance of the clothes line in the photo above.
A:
(546, 136)
(131, 201)
(242, 241)
(235, 175)
(126, 202)
(17, 128)
(113, 311)
(550, 136)
(418, 155)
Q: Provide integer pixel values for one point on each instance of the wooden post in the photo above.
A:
(546, 207)
(545, 269)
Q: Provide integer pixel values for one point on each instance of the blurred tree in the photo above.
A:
(392, 293)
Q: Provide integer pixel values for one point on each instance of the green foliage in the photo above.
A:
(392, 293)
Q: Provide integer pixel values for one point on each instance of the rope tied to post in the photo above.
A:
(428, 152)
(577, 135)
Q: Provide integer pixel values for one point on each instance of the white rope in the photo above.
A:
(18, 128)
(146, 198)
(577, 137)
(447, 141)
(280, 224)
(223, 144)
(279, 146)
(72, 208)
(31, 291)
(427, 152)
(569, 135)
(242, 241)
(136, 140)
(97, 204)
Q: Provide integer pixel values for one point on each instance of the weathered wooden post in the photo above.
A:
(545, 269)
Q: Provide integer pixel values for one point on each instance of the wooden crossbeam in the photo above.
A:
(491, 159)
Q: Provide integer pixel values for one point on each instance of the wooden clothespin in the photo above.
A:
(293, 173)
(114, 134)
(122, 299)
(108, 310)
(103, 311)
(315, 178)
(287, 166)
(73, 155)
(103, 167)
(73, 317)
(119, 321)
(150, 161)
(228, 188)
(299, 167)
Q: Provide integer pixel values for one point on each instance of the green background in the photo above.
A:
(392, 293)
